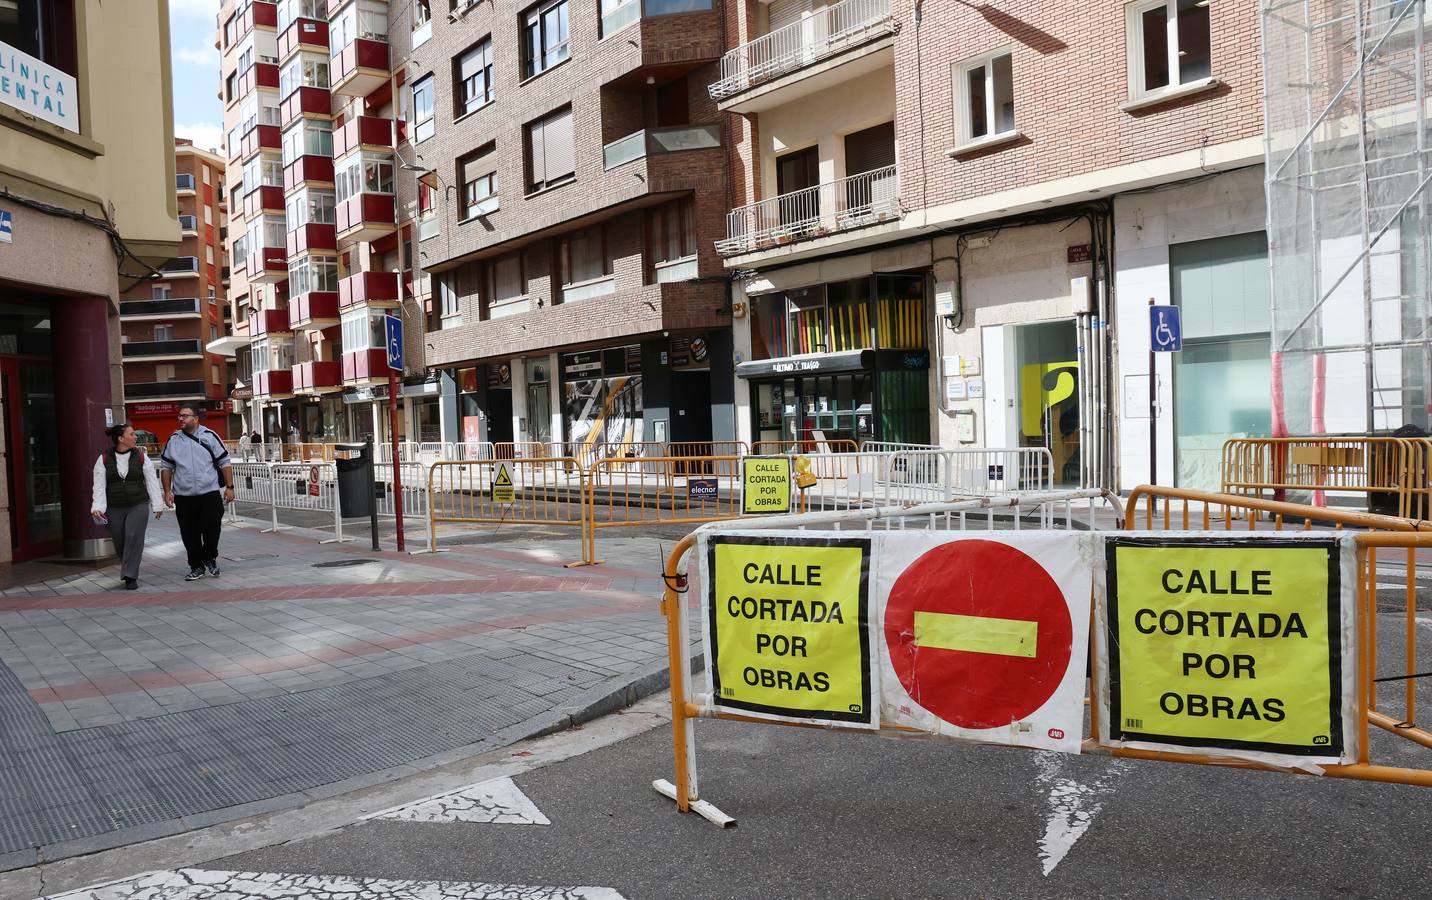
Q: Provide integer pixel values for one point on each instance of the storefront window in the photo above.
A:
(838, 317)
(900, 311)
(768, 326)
(601, 400)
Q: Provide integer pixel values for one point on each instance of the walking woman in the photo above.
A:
(126, 490)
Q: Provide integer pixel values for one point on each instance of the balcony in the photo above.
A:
(360, 68)
(264, 198)
(831, 208)
(373, 132)
(156, 350)
(305, 101)
(181, 267)
(303, 34)
(259, 75)
(260, 14)
(365, 366)
(365, 217)
(317, 377)
(275, 383)
(654, 141)
(267, 265)
(163, 390)
(310, 170)
(763, 73)
(260, 138)
(188, 225)
(313, 311)
(158, 309)
(368, 289)
(268, 321)
(314, 237)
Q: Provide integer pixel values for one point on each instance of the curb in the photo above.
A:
(599, 701)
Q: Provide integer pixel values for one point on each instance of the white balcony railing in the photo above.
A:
(854, 202)
(825, 33)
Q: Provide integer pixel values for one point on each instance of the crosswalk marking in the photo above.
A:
(202, 884)
(499, 801)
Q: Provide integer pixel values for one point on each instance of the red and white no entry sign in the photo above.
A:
(978, 633)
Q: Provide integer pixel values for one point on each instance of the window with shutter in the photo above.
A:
(550, 157)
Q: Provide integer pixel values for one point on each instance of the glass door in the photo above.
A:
(32, 445)
(1048, 364)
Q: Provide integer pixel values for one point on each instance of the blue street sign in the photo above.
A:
(393, 331)
(1165, 329)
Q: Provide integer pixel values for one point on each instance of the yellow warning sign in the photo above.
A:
(1231, 643)
(502, 490)
(765, 484)
(789, 627)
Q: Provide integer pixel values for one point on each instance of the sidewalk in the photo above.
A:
(305, 670)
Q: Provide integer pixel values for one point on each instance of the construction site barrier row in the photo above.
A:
(1271, 467)
(313, 487)
(1187, 638)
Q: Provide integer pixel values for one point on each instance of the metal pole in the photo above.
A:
(1153, 407)
(393, 436)
(372, 493)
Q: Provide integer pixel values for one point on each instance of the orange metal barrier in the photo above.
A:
(791, 448)
(1369, 465)
(543, 492)
(663, 490)
(1198, 510)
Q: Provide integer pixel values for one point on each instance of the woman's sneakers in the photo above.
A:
(130, 584)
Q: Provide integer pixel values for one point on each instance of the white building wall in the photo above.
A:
(823, 120)
(1145, 224)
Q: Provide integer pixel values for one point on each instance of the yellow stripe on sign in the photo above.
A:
(975, 634)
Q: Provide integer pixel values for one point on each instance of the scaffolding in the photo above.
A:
(1346, 132)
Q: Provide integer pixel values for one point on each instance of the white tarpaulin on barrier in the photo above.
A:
(977, 636)
(1229, 645)
(985, 635)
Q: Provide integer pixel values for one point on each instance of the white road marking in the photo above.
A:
(499, 801)
(201, 884)
(1071, 805)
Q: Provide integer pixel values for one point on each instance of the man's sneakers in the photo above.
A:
(195, 574)
(212, 567)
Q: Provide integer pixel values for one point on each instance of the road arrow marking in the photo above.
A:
(202, 884)
(1072, 806)
(499, 802)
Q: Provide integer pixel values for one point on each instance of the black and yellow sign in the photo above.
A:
(765, 484)
(1226, 642)
(502, 490)
(788, 621)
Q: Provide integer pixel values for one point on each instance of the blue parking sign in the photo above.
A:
(393, 332)
(1165, 329)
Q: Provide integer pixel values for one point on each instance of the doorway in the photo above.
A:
(795, 172)
(691, 411)
(1047, 366)
(32, 448)
(499, 415)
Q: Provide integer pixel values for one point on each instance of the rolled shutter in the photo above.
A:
(557, 145)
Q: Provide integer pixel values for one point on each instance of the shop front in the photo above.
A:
(842, 361)
(602, 400)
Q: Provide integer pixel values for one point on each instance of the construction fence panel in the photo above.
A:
(413, 477)
(542, 491)
(1396, 467)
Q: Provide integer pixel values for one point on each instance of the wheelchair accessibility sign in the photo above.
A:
(1165, 329)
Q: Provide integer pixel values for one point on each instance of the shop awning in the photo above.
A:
(844, 361)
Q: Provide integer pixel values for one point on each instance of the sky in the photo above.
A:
(198, 114)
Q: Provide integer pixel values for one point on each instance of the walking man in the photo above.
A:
(195, 466)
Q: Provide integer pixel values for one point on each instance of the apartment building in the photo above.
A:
(570, 184)
(168, 323)
(317, 250)
(87, 211)
(951, 219)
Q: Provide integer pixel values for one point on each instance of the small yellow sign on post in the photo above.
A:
(1227, 643)
(789, 627)
(765, 485)
(502, 490)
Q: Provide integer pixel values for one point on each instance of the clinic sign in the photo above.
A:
(38, 89)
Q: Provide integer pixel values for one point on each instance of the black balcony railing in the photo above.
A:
(180, 265)
(135, 349)
(169, 307)
(151, 390)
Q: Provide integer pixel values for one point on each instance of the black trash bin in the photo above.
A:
(355, 479)
(1385, 502)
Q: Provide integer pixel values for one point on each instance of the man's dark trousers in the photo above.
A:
(200, 519)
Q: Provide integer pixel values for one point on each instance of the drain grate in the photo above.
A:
(343, 563)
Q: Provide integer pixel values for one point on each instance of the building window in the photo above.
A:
(1169, 45)
(262, 171)
(506, 279)
(240, 251)
(209, 255)
(671, 241)
(208, 215)
(312, 273)
(362, 329)
(584, 256)
(364, 173)
(449, 304)
(309, 207)
(544, 37)
(184, 182)
(422, 109)
(208, 175)
(188, 223)
(550, 158)
(160, 291)
(365, 19)
(671, 7)
(985, 91)
(304, 70)
(309, 137)
(230, 30)
(473, 74)
(212, 295)
(422, 13)
(288, 10)
(164, 332)
(617, 14)
(44, 29)
(164, 372)
(231, 87)
(479, 183)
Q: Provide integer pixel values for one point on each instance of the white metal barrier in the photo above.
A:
(305, 486)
